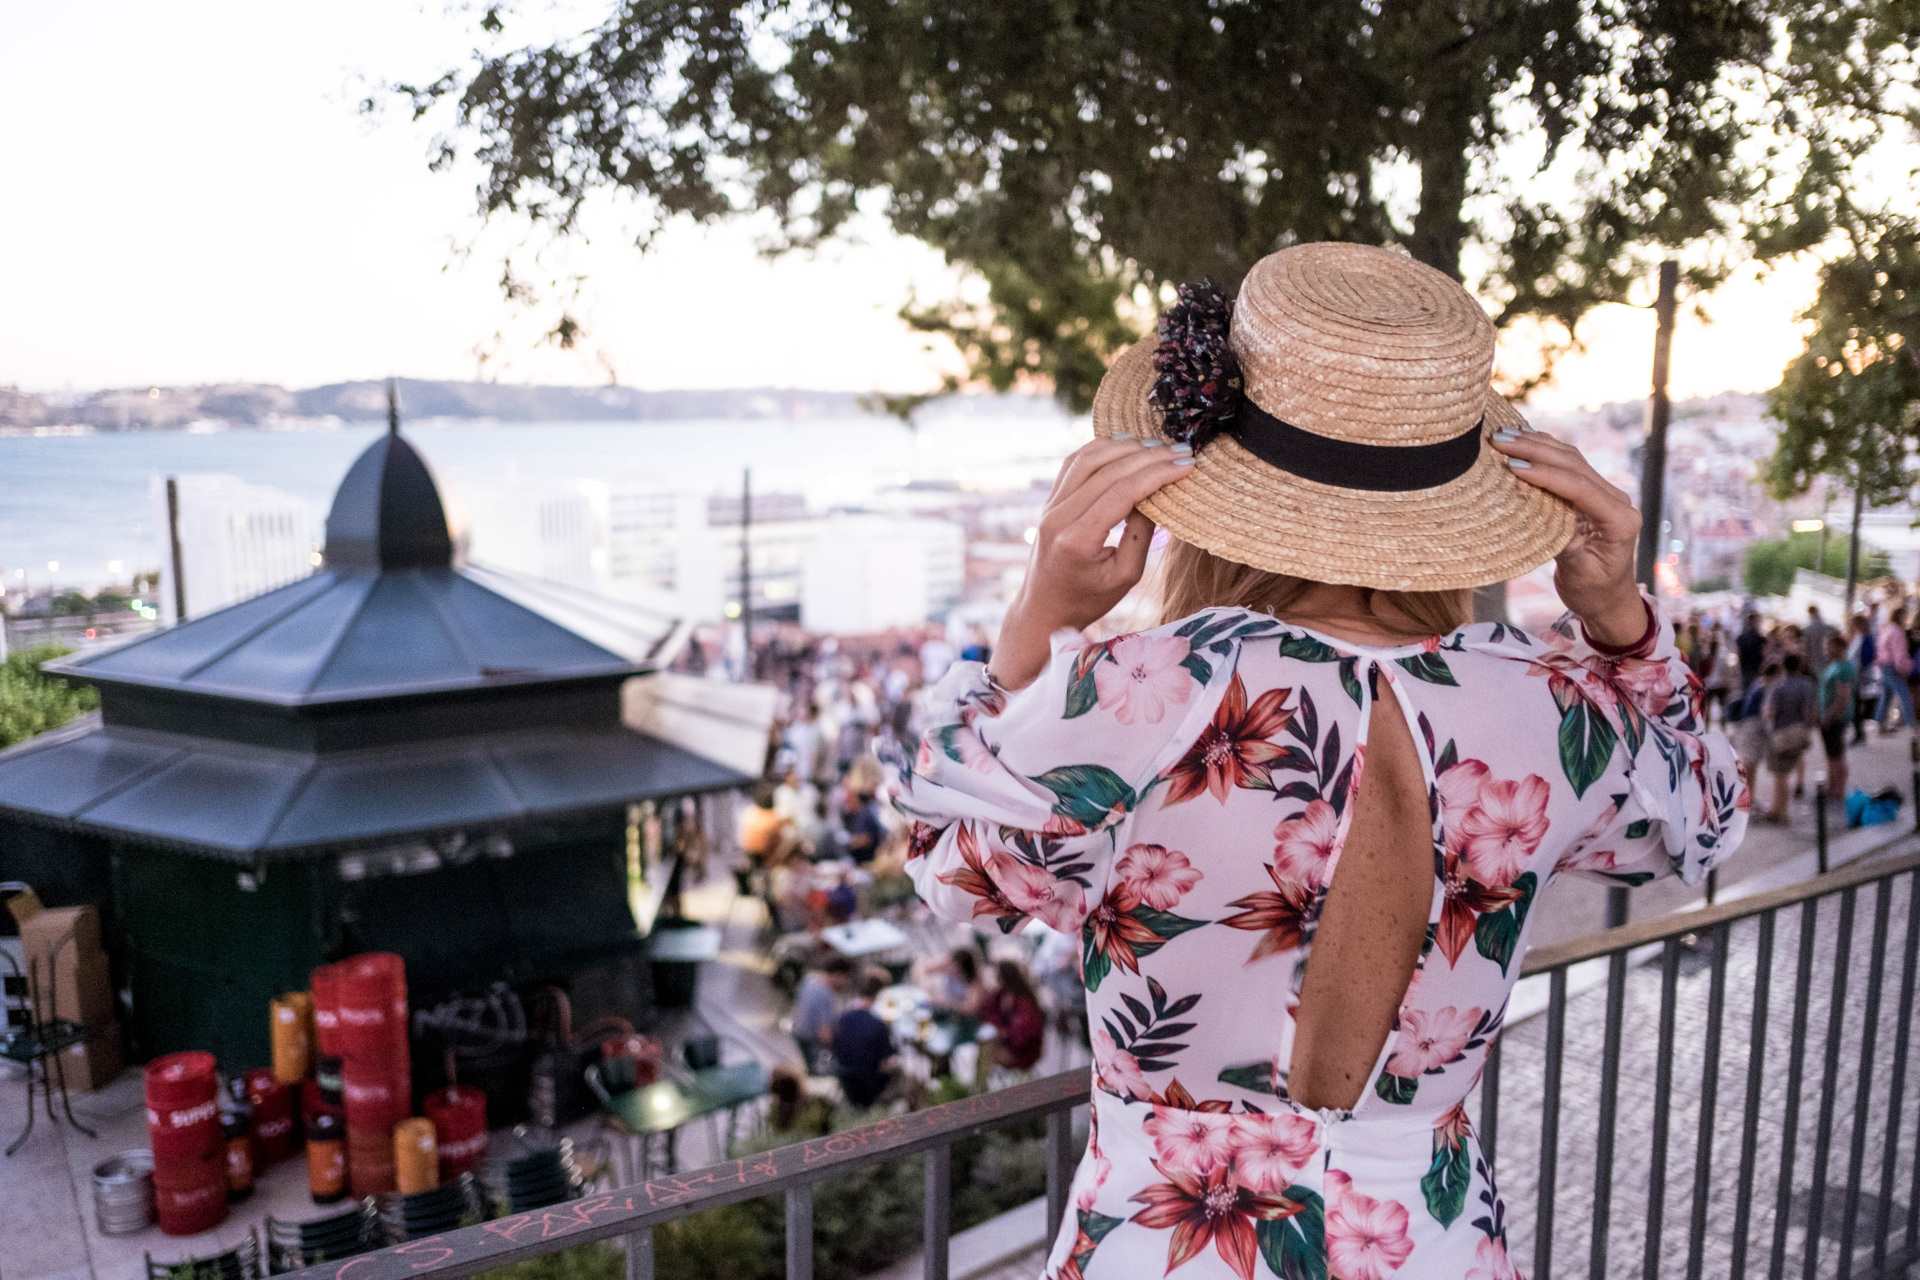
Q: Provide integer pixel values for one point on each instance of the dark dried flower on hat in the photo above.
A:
(1198, 391)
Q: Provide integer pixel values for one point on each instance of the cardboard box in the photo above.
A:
(24, 905)
(81, 990)
(97, 1063)
(43, 931)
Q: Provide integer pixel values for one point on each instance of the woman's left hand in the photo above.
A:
(1594, 573)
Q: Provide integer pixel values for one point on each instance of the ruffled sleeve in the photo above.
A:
(1677, 802)
(1019, 800)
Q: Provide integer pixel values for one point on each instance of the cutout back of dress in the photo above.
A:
(1372, 924)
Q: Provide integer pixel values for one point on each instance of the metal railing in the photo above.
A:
(1645, 1089)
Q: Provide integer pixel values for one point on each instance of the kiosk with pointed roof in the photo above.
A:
(393, 753)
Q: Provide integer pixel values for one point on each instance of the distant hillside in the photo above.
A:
(263, 404)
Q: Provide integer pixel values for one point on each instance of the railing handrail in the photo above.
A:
(1626, 937)
(627, 1210)
(634, 1211)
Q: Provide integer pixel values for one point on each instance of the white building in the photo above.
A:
(550, 531)
(866, 573)
(236, 541)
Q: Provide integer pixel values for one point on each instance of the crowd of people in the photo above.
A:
(1778, 686)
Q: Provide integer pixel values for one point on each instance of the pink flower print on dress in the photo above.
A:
(1366, 1238)
(1459, 792)
(1060, 904)
(1429, 1039)
(1191, 1141)
(1269, 1150)
(1490, 1261)
(1305, 845)
(1648, 683)
(1160, 876)
(1504, 827)
(1143, 678)
(1119, 1070)
(1102, 1166)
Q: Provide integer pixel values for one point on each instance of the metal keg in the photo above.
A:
(123, 1193)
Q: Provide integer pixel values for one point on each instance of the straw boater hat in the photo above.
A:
(1339, 423)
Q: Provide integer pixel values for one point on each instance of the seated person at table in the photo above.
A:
(841, 901)
(816, 1005)
(791, 1112)
(954, 983)
(862, 828)
(863, 1050)
(1014, 1011)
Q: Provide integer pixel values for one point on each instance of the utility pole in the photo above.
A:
(746, 572)
(1853, 551)
(1653, 478)
(173, 550)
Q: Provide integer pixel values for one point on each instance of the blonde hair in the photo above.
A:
(1192, 579)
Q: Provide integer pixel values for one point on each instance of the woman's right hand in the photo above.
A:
(1593, 574)
(1073, 578)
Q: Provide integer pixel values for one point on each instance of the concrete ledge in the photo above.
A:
(982, 1248)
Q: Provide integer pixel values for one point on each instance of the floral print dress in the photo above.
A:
(1178, 799)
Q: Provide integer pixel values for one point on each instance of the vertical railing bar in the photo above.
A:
(1490, 1107)
(1790, 1119)
(1903, 1025)
(640, 1254)
(1609, 1099)
(1829, 1083)
(800, 1232)
(1721, 940)
(1863, 1089)
(1662, 1109)
(1756, 1076)
(938, 1208)
(1060, 1163)
(1550, 1124)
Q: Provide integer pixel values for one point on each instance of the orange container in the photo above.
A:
(292, 1022)
(416, 1156)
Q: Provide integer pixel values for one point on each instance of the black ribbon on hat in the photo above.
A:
(1380, 468)
(1200, 394)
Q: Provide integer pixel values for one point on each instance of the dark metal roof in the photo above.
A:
(389, 615)
(343, 634)
(252, 804)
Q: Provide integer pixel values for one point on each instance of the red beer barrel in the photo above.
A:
(371, 1169)
(326, 1010)
(459, 1115)
(183, 1116)
(274, 1125)
(372, 1006)
(376, 1097)
(190, 1192)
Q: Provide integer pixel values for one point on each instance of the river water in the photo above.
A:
(84, 501)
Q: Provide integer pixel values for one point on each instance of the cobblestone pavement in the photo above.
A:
(1814, 1096)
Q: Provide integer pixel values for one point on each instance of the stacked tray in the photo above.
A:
(448, 1206)
(242, 1262)
(534, 1170)
(293, 1245)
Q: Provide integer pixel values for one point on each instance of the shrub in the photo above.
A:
(32, 702)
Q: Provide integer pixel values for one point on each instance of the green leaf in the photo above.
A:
(1098, 1226)
(948, 747)
(1083, 695)
(1449, 757)
(1255, 1077)
(1495, 935)
(1349, 680)
(1430, 667)
(1638, 830)
(1197, 667)
(1445, 1182)
(1164, 923)
(1398, 1090)
(1295, 1248)
(1586, 746)
(1086, 793)
(1094, 963)
(1307, 649)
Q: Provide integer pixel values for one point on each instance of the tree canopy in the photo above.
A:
(1082, 156)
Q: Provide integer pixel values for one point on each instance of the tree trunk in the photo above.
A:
(1440, 149)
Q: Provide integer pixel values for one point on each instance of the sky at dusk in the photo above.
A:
(194, 196)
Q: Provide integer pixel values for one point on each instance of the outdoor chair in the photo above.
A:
(37, 1046)
(242, 1262)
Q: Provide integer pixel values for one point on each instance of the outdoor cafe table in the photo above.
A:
(864, 937)
(669, 1104)
(906, 1009)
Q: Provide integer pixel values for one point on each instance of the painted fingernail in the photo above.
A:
(1185, 460)
(1518, 464)
(1120, 435)
(1153, 442)
(1183, 449)
(1504, 436)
